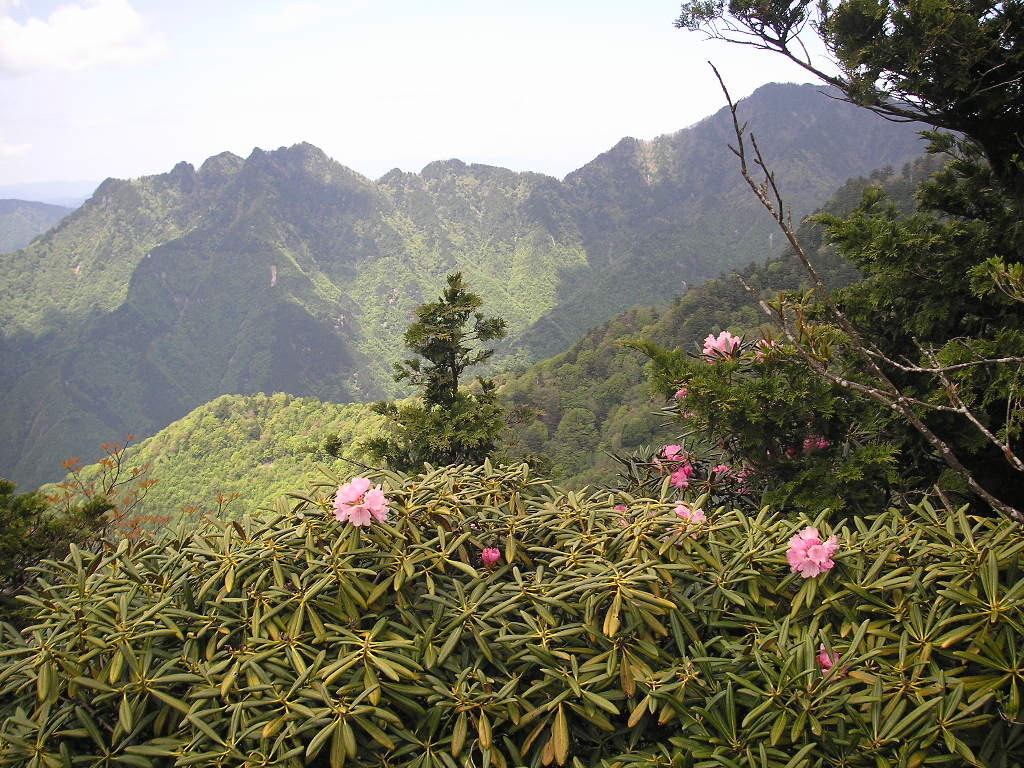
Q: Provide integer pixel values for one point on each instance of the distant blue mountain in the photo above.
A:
(69, 194)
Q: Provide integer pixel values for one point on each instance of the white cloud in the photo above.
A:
(301, 14)
(13, 150)
(74, 37)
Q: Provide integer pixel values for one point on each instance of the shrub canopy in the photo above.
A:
(601, 636)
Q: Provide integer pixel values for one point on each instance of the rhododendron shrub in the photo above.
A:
(811, 444)
(668, 633)
(689, 472)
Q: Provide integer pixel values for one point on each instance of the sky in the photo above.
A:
(125, 88)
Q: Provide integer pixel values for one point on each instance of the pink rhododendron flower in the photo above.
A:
(681, 477)
(721, 469)
(681, 393)
(741, 478)
(360, 504)
(808, 555)
(826, 658)
(672, 452)
(490, 556)
(726, 345)
(815, 442)
(691, 515)
(622, 509)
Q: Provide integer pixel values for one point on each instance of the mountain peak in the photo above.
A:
(303, 151)
(302, 159)
(438, 169)
(223, 164)
(183, 174)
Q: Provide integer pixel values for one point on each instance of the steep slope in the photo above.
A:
(660, 215)
(286, 271)
(22, 220)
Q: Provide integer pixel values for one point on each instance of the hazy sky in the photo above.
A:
(97, 88)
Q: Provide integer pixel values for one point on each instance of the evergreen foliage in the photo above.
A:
(449, 425)
(930, 339)
(928, 299)
(806, 443)
(599, 637)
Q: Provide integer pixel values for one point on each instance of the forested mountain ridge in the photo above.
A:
(592, 399)
(662, 214)
(286, 271)
(23, 220)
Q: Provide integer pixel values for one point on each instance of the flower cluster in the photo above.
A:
(814, 443)
(679, 464)
(680, 477)
(741, 479)
(490, 557)
(827, 659)
(810, 444)
(723, 347)
(690, 515)
(360, 504)
(808, 555)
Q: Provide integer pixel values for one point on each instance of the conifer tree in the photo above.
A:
(450, 424)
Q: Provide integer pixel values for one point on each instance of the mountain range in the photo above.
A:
(22, 220)
(287, 272)
(592, 401)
